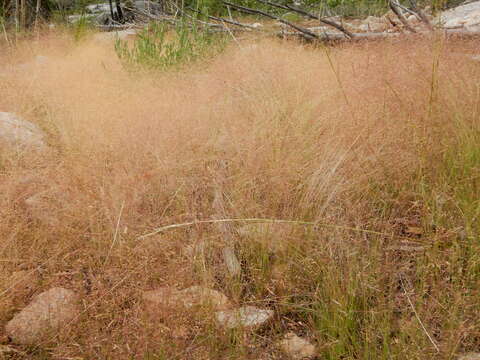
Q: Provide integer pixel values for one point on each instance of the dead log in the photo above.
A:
(421, 14)
(307, 34)
(309, 15)
(394, 6)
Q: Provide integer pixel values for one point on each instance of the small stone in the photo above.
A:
(297, 347)
(188, 298)
(48, 312)
(413, 20)
(246, 317)
(19, 134)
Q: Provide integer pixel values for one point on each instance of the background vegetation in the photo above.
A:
(27, 9)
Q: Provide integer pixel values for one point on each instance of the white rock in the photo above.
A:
(412, 19)
(256, 25)
(454, 23)
(373, 24)
(459, 16)
(296, 347)
(19, 134)
(245, 317)
(47, 313)
(193, 296)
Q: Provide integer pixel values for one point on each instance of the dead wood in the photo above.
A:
(394, 6)
(223, 20)
(309, 15)
(421, 14)
(309, 35)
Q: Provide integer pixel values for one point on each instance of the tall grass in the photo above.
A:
(159, 46)
(351, 140)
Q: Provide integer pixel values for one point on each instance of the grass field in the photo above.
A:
(376, 144)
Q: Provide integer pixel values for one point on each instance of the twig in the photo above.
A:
(37, 12)
(418, 317)
(421, 14)
(305, 32)
(309, 15)
(395, 9)
(232, 22)
(116, 233)
(257, 220)
(5, 34)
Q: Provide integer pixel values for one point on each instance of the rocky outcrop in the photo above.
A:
(44, 316)
(465, 17)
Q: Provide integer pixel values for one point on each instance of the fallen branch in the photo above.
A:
(394, 6)
(323, 20)
(421, 14)
(222, 20)
(305, 32)
(417, 316)
(259, 220)
(309, 15)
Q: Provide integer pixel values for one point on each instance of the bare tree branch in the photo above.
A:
(309, 15)
(395, 9)
(421, 14)
(227, 21)
(309, 35)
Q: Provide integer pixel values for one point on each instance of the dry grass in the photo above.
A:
(359, 136)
